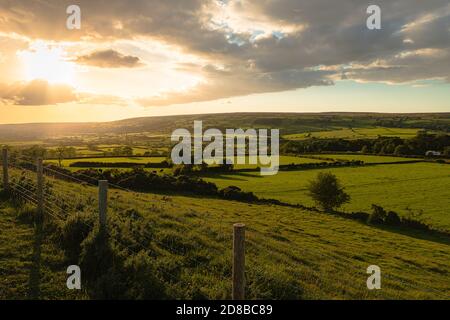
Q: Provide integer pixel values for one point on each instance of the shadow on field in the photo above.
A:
(34, 281)
(232, 176)
(434, 236)
(442, 237)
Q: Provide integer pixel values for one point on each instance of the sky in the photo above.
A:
(157, 57)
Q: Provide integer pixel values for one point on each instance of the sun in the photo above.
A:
(42, 61)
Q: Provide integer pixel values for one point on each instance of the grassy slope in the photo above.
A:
(139, 160)
(293, 253)
(31, 267)
(418, 186)
(290, 253)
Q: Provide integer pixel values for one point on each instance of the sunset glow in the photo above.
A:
(48, 63)
(157, 58)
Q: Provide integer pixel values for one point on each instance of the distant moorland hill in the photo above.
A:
(287, 122)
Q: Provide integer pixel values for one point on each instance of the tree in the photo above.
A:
(401, 150)
(365, 149)
(327, 191)
(446, 151)
(60, 151)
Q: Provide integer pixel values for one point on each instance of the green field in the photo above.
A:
(181, 240)
(284, 160)
(290, 253)
(419, 187)
(355, 133)
(138, 160)
(362, 157)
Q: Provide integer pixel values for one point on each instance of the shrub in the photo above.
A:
(133, 278)
(74, 231)
(141, 282)
(110, 273)
(97, 256)
(393, 219)
(377, 216)
(362, 216)
(327, 191)
(235, 193)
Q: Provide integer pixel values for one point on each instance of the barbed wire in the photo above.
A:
(161, 245)
(51, 200)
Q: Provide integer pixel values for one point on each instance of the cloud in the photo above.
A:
(239, 81)
(255, 46)
(37, 92)
(41, 93)
(109, 59)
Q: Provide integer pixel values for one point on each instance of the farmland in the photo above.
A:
(134, 160)
(173, 239)
(400, 187)
(356, 133)
(361, 157)
(291, 253)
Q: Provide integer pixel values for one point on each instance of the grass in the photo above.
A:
(31, 266)
(290, 253)
(284, 160)
(362, 157)
(399, 187)
(356, 133)
(139, 160)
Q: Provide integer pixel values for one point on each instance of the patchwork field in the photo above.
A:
(362, 157)
(284, 160)
(355, 133)
(420, 187)
(174, 241)
(138, 160)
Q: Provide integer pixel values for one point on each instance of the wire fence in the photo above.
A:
(59, 199)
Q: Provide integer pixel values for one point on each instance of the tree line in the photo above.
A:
(416, 146)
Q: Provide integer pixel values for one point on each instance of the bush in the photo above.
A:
(109, 272)
(380, 216)
(97, 256)
(377, 216)
(362, 216)
(141, 281)
(73, 232)
(133, 278)
(393, 219)
(327, 191)
(235, 193)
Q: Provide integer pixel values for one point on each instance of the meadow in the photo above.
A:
(69, 163)
(355, 133)
(137, 160)
(361, 157)
(404, 188)
(179, 245)
(291, 253)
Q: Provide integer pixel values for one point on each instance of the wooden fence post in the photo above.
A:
(40, 187)
(102, 202)
(239, 261)
(5, 170)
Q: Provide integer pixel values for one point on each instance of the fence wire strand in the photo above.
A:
(54, 202)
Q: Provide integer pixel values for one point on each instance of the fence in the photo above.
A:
(44, 209)
(32, 187)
